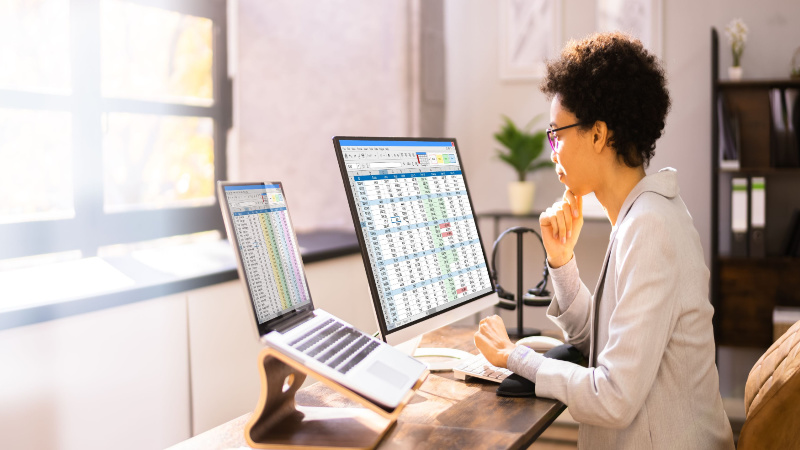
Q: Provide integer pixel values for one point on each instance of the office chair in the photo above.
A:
(772, 397)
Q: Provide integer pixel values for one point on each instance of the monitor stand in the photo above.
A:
(437, 359)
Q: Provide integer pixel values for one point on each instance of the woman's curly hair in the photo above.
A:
(611, 77)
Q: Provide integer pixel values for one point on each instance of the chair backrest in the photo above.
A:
(772, 396)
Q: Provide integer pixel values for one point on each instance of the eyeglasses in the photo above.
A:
(555, 144)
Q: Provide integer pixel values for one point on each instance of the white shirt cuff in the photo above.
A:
(525, 362)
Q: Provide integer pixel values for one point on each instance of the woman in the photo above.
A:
(651, 381)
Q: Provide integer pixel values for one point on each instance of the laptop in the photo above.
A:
(268, 259)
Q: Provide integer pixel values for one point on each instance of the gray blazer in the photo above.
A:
(655, 383)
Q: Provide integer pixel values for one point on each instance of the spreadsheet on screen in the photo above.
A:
(272, 264)
(417, 224)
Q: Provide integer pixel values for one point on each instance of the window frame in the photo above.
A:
(91, 227)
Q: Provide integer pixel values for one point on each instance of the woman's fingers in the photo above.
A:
(478, 338)
(559, 218)
(544, 219)
(492, 329)
(562, 226)
(553, 222)
(489, 323)
(492, 341)
(574, 203)
(566, 211)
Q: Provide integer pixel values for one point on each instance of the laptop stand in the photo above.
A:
(278, 423)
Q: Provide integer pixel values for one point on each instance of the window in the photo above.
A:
(113, 117)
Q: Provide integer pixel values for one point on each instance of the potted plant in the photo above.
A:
(737, 34)
(522, 148)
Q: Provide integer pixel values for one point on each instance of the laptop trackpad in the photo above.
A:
(387, 374)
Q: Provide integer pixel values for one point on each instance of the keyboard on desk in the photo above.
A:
(479, 367)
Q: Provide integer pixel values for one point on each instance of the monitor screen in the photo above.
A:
(415, 222)
(268, 250)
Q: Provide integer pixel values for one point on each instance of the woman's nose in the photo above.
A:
(554, 157)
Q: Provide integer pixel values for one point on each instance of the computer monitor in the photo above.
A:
(414, 219)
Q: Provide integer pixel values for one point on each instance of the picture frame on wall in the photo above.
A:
(530, 34)
(639, 18)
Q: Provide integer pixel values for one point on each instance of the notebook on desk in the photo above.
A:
(268, 260)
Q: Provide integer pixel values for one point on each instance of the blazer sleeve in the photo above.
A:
(574, 321)
(646, 277)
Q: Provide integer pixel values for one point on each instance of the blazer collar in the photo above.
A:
(664, 183)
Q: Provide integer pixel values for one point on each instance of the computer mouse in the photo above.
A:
(540, 344)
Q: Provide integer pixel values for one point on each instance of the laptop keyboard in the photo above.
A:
(310, 332)
(336, 345)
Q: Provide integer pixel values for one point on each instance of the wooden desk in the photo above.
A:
(445, 413)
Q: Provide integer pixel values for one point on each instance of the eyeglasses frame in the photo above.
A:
(554, 130)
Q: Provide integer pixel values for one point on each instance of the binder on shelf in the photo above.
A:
(792, 98)
(739, 217)
(758, 217)
(729, 138)
(783, 143)
(792, 242)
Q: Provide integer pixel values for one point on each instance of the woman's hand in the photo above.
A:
(492, 340)
(561, 225)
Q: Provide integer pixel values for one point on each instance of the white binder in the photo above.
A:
(739, 217)
(758, 217)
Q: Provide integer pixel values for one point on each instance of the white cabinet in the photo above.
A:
(152, 373)
(111, 378)
(223, 352)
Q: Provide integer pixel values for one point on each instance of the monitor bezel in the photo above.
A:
(474, 305)
(268, 326)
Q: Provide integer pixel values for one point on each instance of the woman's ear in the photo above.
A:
(600, 135)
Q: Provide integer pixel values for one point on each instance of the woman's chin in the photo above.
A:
(577, 191)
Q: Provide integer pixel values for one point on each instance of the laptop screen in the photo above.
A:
(416, 226)
(268, 250)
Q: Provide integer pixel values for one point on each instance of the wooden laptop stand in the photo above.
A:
(278, 423)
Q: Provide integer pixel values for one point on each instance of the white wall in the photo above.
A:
(306, 71)
(477, 98)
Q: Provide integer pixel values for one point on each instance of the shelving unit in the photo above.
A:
(745, 290)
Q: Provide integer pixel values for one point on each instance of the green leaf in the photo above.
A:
(521, 147)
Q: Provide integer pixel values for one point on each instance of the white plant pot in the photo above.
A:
(735, 73)
(520, 196)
